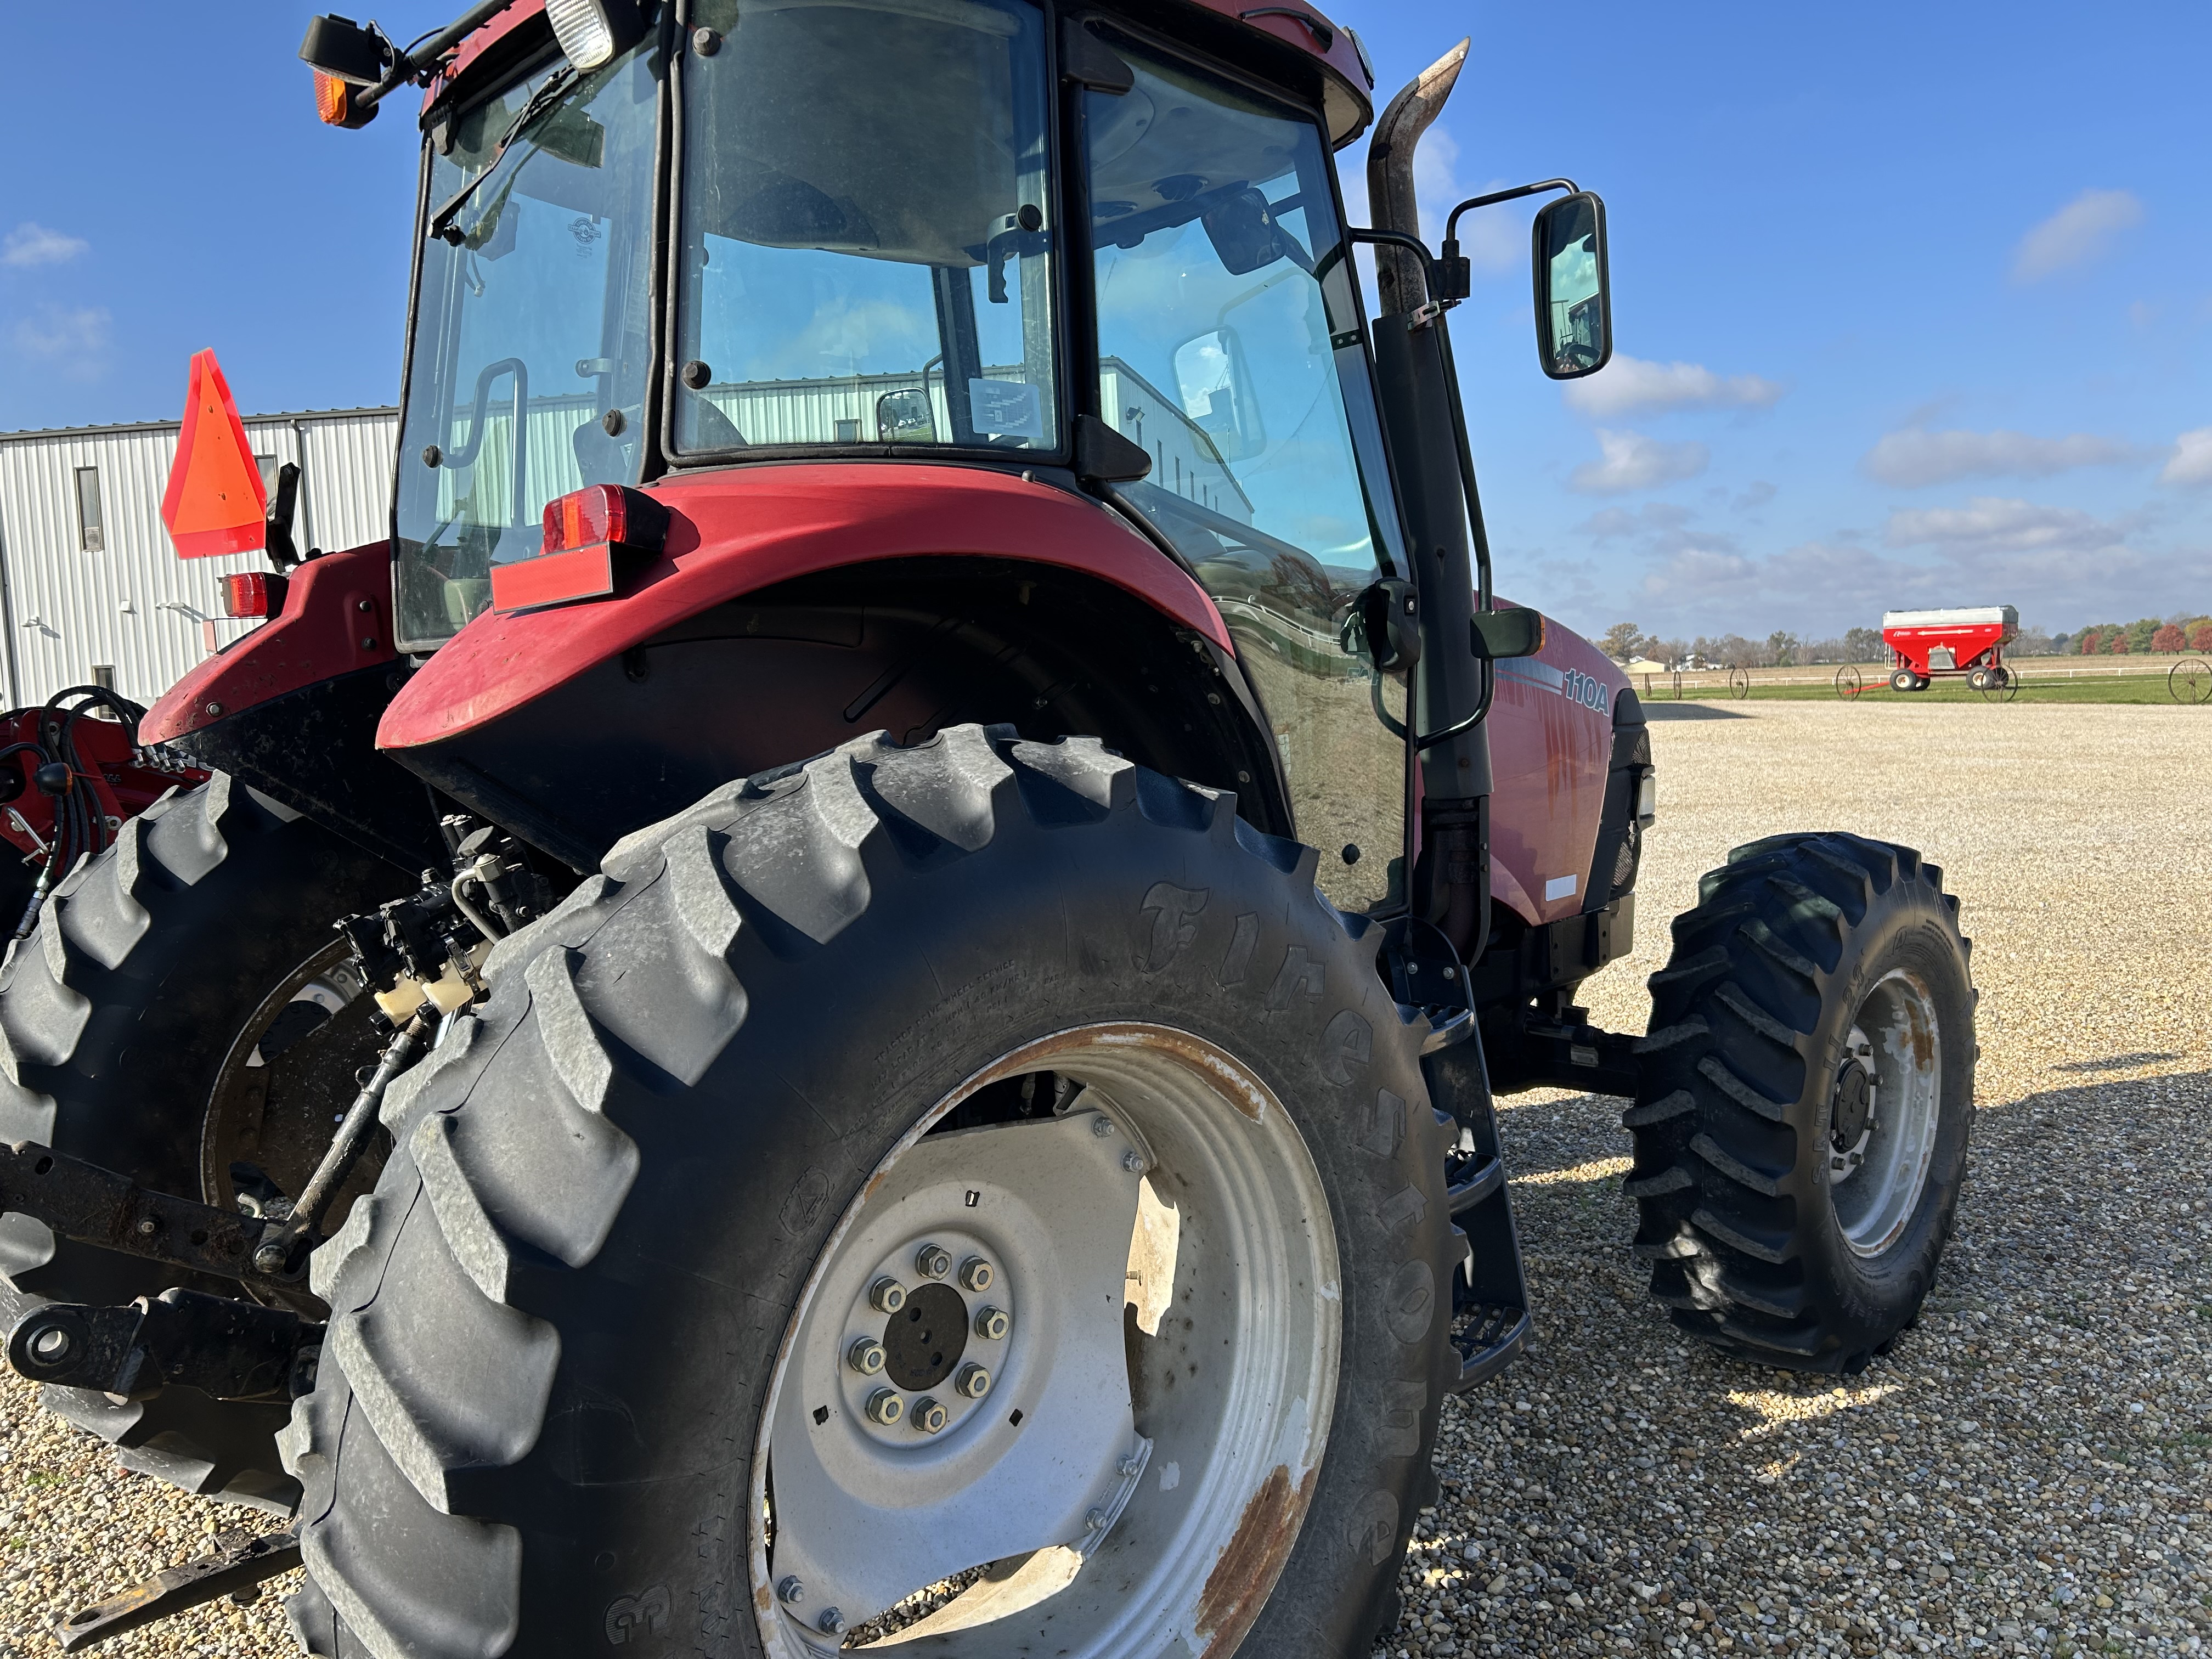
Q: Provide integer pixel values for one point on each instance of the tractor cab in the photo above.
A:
(1103, 250)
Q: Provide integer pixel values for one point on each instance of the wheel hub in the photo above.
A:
(1884, 1111)
(924, 1340)
(1022, 1331)
(1852, 1119)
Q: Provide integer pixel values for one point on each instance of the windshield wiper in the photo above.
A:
(556, 84)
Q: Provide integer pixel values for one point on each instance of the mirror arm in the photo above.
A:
(419, 62)
(1451, 220)
(1453, 271)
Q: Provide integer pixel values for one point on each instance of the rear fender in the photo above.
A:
(734, 532)
(335, 620)
(292, 707)
(802, 605)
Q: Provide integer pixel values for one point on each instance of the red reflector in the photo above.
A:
(577, 573)
(604, 513)
(252, 594)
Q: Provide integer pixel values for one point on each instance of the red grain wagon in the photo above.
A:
(1925, 645)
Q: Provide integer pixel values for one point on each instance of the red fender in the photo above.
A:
(336, 618)
(735, 532)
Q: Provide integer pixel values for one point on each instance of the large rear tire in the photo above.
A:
(1803, 1101)
(132, 1016)
(597, 1364)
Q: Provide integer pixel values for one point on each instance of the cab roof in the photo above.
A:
(1288, 40)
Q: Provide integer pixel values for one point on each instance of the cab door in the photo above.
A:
(1228, 346)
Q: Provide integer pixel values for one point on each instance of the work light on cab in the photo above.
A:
(592, 33)
(587, 531)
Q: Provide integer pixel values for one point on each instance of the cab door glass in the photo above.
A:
(531, 334)
(1229, 349)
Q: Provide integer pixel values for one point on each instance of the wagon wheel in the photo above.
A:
(2004, 686)
(1739, 681)
(1848, 682)
(2190, 680)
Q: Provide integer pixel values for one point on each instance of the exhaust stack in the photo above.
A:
(1391, 204)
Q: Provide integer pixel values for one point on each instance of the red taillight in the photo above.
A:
(603, 512)
(252, 594)
(584, 530)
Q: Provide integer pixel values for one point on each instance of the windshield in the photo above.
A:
(867, 228)
(531, 334)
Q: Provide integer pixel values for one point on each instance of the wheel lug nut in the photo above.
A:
(928, 1416)
(831, 1623)
(975, 1275)
(933, 1261)
(1133, 1163)
(789, 1590)
(887, 1295)
(1102, 1127)
(866, 1356)
(885, 1407)
(991, 1324)
(975, 1382)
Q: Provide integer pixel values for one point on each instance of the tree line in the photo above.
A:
(1626, 642)
(2150, 634)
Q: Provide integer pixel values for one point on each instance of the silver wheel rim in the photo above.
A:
(1140, 1457)
(1878, 1156)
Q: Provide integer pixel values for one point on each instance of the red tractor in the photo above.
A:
(939, 850)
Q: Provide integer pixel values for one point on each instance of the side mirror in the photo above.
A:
(1241, 228)
(905, 417)
(1218, 394)
(1574, 311)
(1496, 634)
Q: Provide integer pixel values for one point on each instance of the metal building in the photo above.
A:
(92, 592)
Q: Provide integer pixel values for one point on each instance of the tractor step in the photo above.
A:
(1489, 1336)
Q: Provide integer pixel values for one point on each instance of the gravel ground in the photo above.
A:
(2026, 1472)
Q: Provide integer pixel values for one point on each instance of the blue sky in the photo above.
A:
(1912, 304)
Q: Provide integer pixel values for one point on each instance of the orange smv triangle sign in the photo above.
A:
(215, 502)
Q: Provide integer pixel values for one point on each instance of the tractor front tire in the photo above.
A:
(1804, 1099)
(612, 1354)
(125, 1017)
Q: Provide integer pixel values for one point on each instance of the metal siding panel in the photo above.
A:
(136, 605)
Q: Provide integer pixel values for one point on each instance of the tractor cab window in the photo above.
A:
(867, 228)
(526, 375)
(1229, 349)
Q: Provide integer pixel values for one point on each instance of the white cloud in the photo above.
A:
(34, 244)
(2191, 462)
(73, 339)
(1629, 460)
(1627, 384)
(1992, 523)
(2082, 230)
(1490, 239)
(1914, 459)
